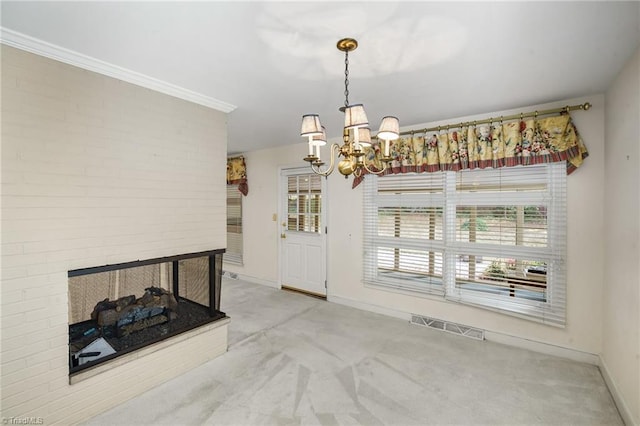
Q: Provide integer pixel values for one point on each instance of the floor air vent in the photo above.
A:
(463, 330)
(231, 275)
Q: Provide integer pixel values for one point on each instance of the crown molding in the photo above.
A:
(42, 48)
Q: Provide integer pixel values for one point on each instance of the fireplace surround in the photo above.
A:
(121, 308)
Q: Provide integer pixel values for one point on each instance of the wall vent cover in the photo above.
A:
(450, 327)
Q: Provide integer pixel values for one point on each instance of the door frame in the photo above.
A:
(282, 216)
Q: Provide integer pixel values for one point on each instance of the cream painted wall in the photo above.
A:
(95, 171)
(344, 244)
(621, 302)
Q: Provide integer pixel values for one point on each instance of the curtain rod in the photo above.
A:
(565, 109)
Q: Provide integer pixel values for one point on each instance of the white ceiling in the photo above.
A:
(420, 61)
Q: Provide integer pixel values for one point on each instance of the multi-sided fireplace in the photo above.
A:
(120, 308)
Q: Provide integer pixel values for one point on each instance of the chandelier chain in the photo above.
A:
(346, 78)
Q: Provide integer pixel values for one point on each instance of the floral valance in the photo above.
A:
(237, 174)
(524, 142)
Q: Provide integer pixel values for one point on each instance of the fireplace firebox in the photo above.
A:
(116, 309)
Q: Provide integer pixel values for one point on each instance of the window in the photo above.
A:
(304, 203)
(493, 237)
(404, 231)
(234, 225)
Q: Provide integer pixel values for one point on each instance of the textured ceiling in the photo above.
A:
(420, 61)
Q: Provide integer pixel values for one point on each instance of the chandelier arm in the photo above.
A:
(318, 172)
(332, 164)
(384, 167)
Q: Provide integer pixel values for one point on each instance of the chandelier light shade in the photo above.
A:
(356, 134)
(389, 131)
(364, 137)
(389, 128)
(319, 139)
(311, 125)
(354, 116)
(316, 141)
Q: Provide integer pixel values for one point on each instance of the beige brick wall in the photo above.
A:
(94, 171)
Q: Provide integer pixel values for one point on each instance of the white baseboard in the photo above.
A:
(369, 307)
(255, 280)
(622, 406)
(541, 347)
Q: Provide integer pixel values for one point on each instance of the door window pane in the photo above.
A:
(304, 203)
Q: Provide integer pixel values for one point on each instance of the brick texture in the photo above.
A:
(94, 171)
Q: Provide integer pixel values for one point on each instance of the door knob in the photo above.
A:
(283, 236)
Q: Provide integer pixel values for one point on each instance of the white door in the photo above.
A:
(303, 231)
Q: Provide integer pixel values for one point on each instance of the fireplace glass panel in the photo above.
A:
(194, 279)
(86, 290)
(135, 280)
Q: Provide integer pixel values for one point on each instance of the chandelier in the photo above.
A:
(356, 135)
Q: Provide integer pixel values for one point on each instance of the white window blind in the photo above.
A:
(404, 231)
(234, 226)
(492, 238)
